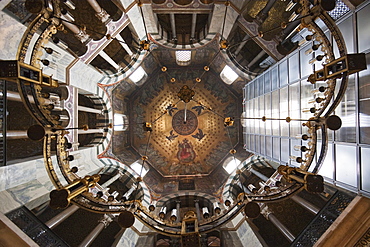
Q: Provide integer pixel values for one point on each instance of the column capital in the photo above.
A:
(265, 211)
(106, 220)
(82, 36)
(103, 16)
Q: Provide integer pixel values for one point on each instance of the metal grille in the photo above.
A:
(34, 228)
(323, 220)
(339, 10)
(3, 123)
(364, 240)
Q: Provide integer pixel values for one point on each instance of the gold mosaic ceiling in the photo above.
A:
(176, 147)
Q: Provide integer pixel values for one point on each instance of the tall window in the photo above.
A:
(228, 75)
(120, 122)
(231, 164)
(138, 76)
(138, 168)
(183, 58)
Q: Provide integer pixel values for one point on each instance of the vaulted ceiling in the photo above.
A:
(197, 149)
(193, 151)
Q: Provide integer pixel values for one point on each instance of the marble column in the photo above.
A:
(218, 16)
(178, 211)
(193, 24)
(282, 228)
(127, 195)
(197, 209)
(124, 44)
(289, 29)
(16, 134)
(103, 223)
(56, 220)
(290, 5)
(102, 15)
(242, 44)
(90, 131)
(256, 58)
(69, 4)
(14, 96)
(258, 174)
(244, 189)
(107, 58)
(112, 179)
(307, 205)
(88, 109)
(173, 26)
(80, 34)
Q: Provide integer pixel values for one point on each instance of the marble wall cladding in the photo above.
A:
(135, 17)
(28, 182)
(9, 38)
(236, 220)
(238, 4)
(217, 17)
(231, 17)
(27, 192)
(32, 192)
(20, 173)
(127, 3)
(244, 233)
(146, 241)
(3, 3)
(38, 201)
(22, 183)
(46, 182)
(23, 194)
(3, 177)
(230, 238)
(128, 238)
(247, 236)
(140, 227)
(84, 77)
(60, 59)
(150, 19)
(8, 202)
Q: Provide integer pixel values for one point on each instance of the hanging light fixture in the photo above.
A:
(144, 44)
(224, 44)
(77, 189)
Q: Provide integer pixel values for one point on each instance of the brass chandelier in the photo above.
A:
(334, 73)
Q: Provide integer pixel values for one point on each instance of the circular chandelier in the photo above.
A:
(87, 193)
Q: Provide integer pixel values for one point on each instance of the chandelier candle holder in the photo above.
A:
(61, 198)
(88, 194)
